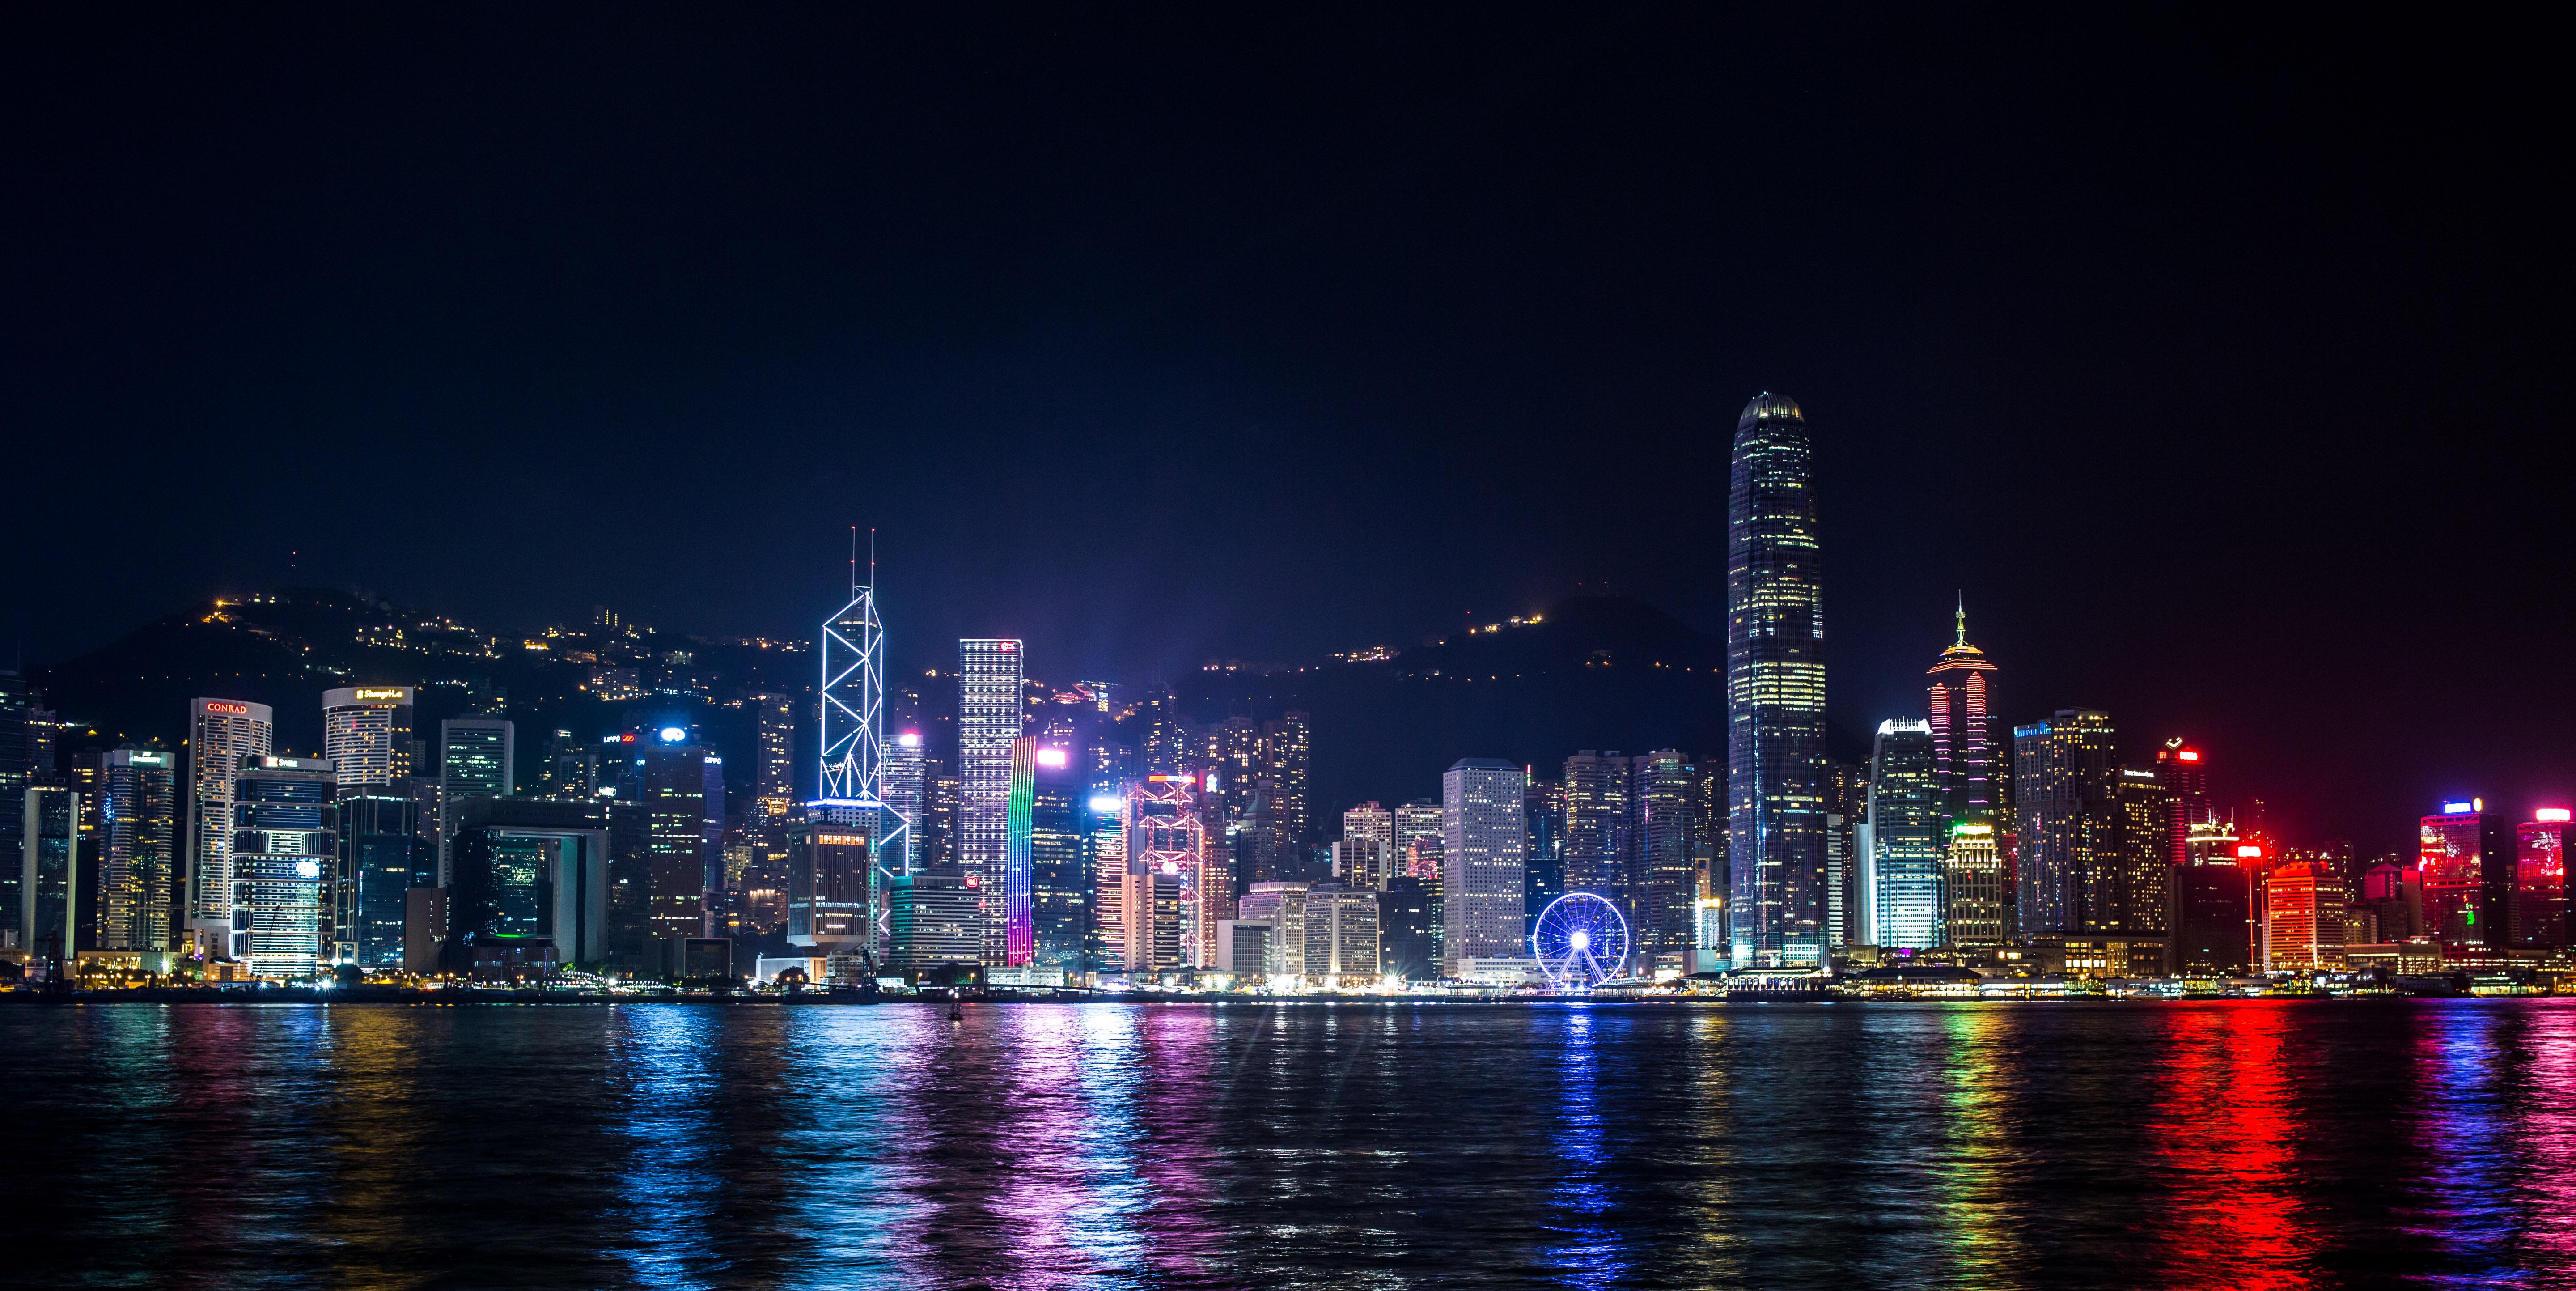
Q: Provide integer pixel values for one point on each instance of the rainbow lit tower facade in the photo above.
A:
(1775, 693)
(1963, 738)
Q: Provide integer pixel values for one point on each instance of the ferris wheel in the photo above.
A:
(1580, 941)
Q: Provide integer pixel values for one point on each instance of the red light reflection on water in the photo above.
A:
(2226, 1130)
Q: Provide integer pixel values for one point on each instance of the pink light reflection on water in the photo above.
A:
(2548, 1136)
(1074, 1083)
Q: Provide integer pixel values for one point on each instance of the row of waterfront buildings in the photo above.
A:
(976, 818)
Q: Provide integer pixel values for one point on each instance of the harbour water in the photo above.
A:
(2241, 1143)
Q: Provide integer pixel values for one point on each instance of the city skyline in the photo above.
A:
(958, 646)
(2020, 349)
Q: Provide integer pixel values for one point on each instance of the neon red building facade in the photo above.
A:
(2454, 876)
(1963, 739)
(2540, 878)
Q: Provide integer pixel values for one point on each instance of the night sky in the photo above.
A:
(2222, 365)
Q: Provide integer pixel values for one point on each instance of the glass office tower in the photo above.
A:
(1775, 692)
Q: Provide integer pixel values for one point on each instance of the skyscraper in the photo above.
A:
(1019, 874)
(1900, 841)
(2457, 848)
(2141, 871)
(1417, 824)
(1963, 737)
(224, 735)
(1059, 859)
(1775, 691)
(773, 773)
(1171, 893)
(382, 858)
(17, 700)
(2065, 779)
(2303, 917)
(367, 733)
(477, 757)
(1598, 817)
(1368, 841)
(285, 840)
(1482, 858)
(2184, 772)
(138, 838)
(1972, 875)
(1659, 859)
(2540, 878)
(1544, 806)
(679, 854)
(988, 721)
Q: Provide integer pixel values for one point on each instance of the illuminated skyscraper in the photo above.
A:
(988, 722)
(1367, 848)
(850, 781)
(1482, 860)
(1963, 736)
(382, 858)
(1059, 859)
(2540, 878)
(1545, 806)
(2184, 771)
(773, 771)
(1019, 873)
(2303, 918)
(1171, 894)
(285, 841)
(17, 700)
(833, 899)
(1846, 808)
(224, 735)
(1900, 841)
(1659, 858)
(1598, 817)
(138, 838)
(902, 789)
(1417, 824)
(2137, 896)
(2213, 926)
(1775, 692)
(2065, 778)
(477, 757)
(683, 830)
(367, 733)
(1972, 872)
(2455, 851)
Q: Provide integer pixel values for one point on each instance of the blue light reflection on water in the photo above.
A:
(2250, 1143)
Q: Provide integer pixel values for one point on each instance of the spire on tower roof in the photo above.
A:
(1963, 617)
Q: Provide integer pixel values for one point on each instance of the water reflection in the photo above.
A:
(1587, 1254)
(2257, 1143)
(2225, 1130)
(667, 1177)
(1967, 1157)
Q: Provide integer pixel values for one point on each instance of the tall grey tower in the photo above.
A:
(1775, 693)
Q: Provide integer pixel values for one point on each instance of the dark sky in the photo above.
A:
(2219, 357)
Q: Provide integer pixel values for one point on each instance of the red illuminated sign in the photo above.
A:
(2249, 850)
(227, 706)
(2189, 755)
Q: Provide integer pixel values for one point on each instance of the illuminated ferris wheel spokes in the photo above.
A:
(1580, 941)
